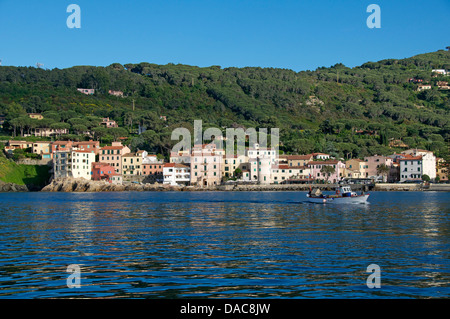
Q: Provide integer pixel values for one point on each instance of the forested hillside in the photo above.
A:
(347, 112)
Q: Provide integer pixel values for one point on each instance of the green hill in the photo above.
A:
(10, 172)
(347, 112)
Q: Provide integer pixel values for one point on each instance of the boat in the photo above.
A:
(344, 195)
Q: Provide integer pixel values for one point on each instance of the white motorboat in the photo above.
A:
(344, 195)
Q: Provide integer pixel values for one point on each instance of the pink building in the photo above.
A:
(61, 146)
(105, 172)
(108, 123)
(113, 155)
(90, 146)
(206, 165)
(316, 166)
(373, 162)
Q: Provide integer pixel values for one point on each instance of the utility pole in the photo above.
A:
(133, 105)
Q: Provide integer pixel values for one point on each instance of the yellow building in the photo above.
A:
(356, 168)
(230, 164)
(132, 164)
(41, 148)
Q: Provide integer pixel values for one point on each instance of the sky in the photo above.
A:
(293, 34)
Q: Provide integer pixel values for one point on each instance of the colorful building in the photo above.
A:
(206, 165)
(113, 155)
(176, 174)
(105, 172)
(317, 174)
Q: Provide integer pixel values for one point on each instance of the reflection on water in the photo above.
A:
(222, 245)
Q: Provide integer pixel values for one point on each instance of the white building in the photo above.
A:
(82, 163)
(412, 168)
(73, 163)
(439, 71)
(176, 174)
(261, 161)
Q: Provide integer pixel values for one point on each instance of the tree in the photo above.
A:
(238, 173)
(60, 127)
(425, 178)
(327, 170)
(383, 170)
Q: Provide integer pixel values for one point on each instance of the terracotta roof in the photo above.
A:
(112, 148)
(322, 162)
(175, 165)
(130, 155)
(298, 157)
(412, 158)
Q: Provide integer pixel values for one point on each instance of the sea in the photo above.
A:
(223, 245)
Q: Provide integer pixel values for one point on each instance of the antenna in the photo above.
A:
(39, 65)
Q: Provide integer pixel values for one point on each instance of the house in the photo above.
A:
(91, 146)
(412, 168)
(181, 157)
(356, 168)
(284, 173)
(423, 87)
(414, 80)
(19, 144)
(374, 162)
(43, 148)
(163, 117)
(297, 160)
(82, 163)
(206, 165)
(105, 172)
(151, 166)
(36, 116)
(113, 155)
(13, 145)
(106, 122)
(62, 164)
(231, 163)
(61, 146)
(442, 169)
(176, 174)
(261, 160)
(73, 163)
(321, 156)
(316, 167)
(415, 152)
(47, 132)
(132, 164)
(86, 91)
(116, 93)
(439, 71)
(443, 85)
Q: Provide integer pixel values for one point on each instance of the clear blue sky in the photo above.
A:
(299, 35)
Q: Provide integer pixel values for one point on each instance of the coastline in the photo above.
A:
(89, 186)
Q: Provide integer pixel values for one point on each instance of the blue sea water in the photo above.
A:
(223, 245)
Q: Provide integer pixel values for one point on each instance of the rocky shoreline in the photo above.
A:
(83, 185)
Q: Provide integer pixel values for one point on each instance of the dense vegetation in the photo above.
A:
(347, 112)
